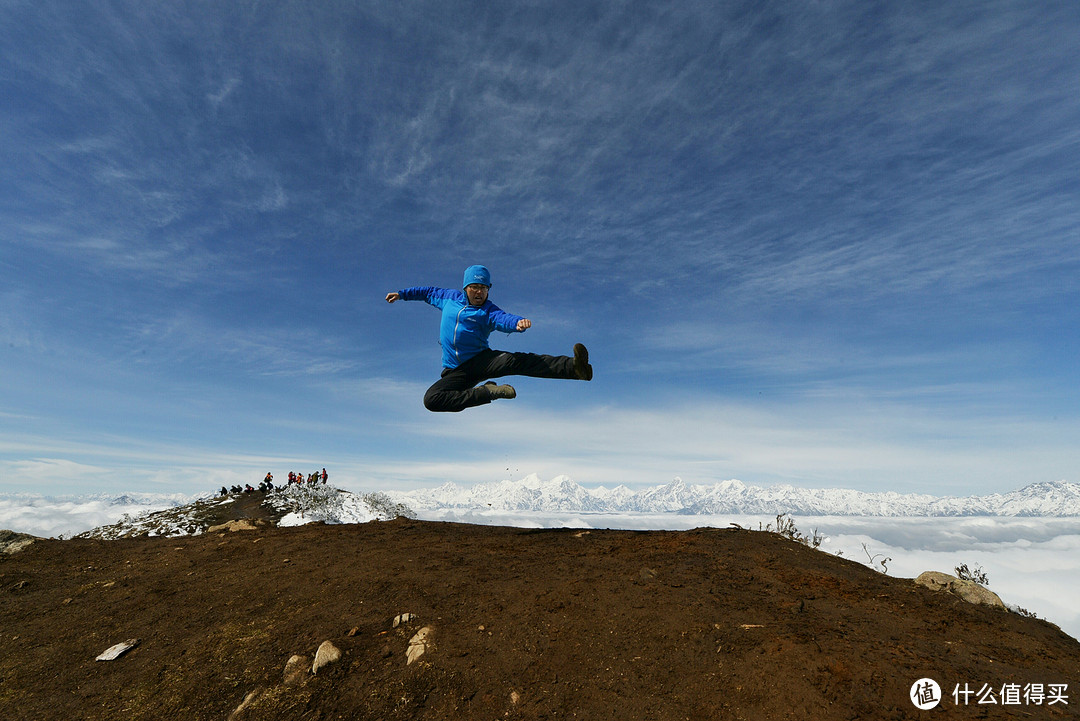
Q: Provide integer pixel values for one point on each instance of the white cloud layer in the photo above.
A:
(55, 517)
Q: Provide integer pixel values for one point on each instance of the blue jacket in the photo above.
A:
(465, 328)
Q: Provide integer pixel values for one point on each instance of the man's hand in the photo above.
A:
(524, 324)
(391, 297)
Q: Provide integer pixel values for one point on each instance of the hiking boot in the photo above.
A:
(582, 369)
(500, 391)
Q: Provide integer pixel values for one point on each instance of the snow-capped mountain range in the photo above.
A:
(561, 494)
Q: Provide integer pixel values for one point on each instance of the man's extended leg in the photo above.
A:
(533, 365)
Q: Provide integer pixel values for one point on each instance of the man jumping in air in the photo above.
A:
(467, 320)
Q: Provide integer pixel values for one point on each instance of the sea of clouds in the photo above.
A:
(49, 517)
(1032, 563)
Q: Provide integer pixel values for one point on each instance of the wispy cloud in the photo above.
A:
(30, 463)
(219, 97)
(802, 360)
(859, 444)
(189, 339)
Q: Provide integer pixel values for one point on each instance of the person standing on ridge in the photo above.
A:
(468, 318)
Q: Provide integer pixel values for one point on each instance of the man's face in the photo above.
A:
(476, 293)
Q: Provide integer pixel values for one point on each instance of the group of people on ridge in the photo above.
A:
(298, 478)
(267, 483)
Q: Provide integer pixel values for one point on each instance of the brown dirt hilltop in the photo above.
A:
(527, 624)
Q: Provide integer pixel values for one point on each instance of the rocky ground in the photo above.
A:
(502, 623)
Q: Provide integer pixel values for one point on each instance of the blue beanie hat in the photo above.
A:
(476, 274)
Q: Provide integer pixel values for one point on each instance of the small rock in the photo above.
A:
(243, 524)
(248, 700)
(419, 644)
(515, 697)
(295, 668)
(646, 575)
(353, 631)
(403, 618)
(327, 654)
(114, 652)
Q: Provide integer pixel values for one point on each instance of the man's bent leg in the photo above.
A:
(457, 389)
(451, 394)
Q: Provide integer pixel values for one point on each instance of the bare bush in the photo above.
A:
(785, 526)
(877, 559)
(975, 575)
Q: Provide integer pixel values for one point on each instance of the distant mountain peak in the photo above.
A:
(562, 494)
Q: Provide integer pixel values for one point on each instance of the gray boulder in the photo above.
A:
(967, 590)
(12, 542)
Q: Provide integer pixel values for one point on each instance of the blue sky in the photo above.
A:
(820, 243)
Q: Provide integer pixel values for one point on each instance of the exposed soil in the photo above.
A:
(549, 624)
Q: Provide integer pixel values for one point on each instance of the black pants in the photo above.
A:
(457, 390)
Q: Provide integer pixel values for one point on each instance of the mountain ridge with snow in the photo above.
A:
(562, 494)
